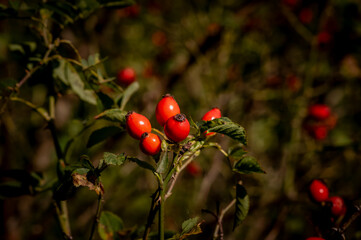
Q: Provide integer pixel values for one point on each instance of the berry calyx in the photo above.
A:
(177, 128)
(338, 206)
(319, 111)
(126, 76)
(137, 124)
(319, 190)
(150, 143)
(167, 107)
(210, 115)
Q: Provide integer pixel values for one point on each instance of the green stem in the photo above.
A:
(62, 213)
(97, 216)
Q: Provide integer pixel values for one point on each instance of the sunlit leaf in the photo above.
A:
(225, 126)
(189, 227)
(112, 159)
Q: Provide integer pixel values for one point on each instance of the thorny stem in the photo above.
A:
(152, 212)
(97, 216)
(351, 219)
(219, 227)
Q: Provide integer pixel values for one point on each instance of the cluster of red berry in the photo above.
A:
(319, 121)
(320, 193)
(175, 124)
(335, 205)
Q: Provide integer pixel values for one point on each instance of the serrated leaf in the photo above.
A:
(248, 165)
(113, 159)
(128, 92)
(101, 134)
(225, 126)
(113, 115)
(242, 205)
(141, 163)
(236, 152)
(109, 226)
(189, 224)
(68, 75)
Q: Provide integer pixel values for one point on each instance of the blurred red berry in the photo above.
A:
(319, 132)
(306, 15)
(194, 169)
(293, 83)
(126, 76)
(338, 206)
(323, 37)
(319, 111)
(290, 3)
(318, 190)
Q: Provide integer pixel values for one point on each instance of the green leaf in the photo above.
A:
(225, 126)
(113, 115)
(141, 163)
(112, 159)
(129, 91)
(164, 160)
(116, 3)
(242, 205)
(109, 225)
(100, 135)
(248, 165)
(189, 227)
(236, 152)
(69, 76)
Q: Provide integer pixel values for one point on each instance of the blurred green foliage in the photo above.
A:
(263, 63)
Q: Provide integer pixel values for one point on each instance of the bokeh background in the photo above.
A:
(263, 63)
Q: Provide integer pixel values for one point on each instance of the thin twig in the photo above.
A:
(219, 227)
(97, 216)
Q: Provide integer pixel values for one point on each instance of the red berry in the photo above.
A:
(315, 238)
(126, 76)
(338, 206)
(167, 107)
(306, 15)
(177, 128)
(210, 115)
(150, 143)
(194, 169)
(319, 111)
(323, 38)
(137, 124)
(319, 190)
(319, 132)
